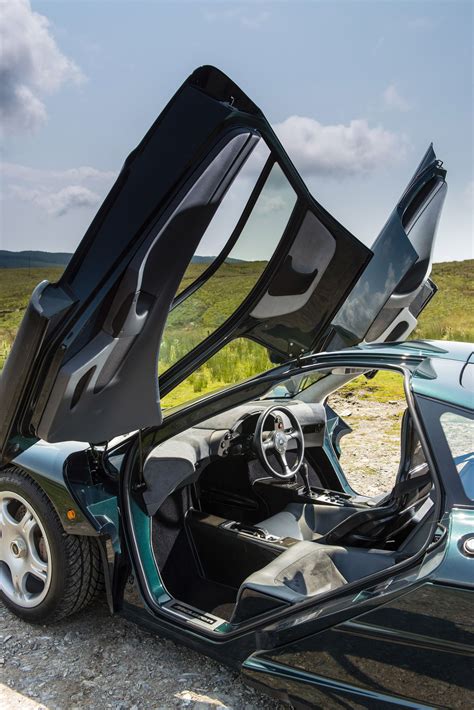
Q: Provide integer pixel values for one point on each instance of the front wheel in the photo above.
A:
(45, 574)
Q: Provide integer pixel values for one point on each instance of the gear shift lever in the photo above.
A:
(305, 476)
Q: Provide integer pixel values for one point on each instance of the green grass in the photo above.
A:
(16, 286)
(449, 316)
(384, 387)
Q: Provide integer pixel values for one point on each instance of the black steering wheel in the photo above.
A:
(276, 441)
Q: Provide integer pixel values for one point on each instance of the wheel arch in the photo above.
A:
(51, 480)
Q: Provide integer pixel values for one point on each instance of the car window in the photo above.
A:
(205, 309)
(366, 435)
(459, 433)
(225, 220)
(238, 360)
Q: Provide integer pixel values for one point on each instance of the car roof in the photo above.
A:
(437, 367)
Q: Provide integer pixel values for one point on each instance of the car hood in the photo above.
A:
(84, 363)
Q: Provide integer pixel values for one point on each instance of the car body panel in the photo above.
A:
(84, 366)
(46, 464)
(393, 656)
(415, 650)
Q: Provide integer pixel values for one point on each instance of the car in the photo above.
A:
(228, 521)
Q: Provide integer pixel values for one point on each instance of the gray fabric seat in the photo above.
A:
(305, 521)
(388, 515)
(306, 569)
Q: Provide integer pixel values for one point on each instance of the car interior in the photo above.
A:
(250, 510)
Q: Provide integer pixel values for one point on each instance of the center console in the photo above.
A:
(217, 541)
(277, 495)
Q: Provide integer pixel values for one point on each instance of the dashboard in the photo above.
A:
(180, 459)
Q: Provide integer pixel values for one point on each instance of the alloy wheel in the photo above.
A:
(25, 556)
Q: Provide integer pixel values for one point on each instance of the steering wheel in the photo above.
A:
(276, 441)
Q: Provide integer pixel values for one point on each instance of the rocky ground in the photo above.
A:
(92, 661)
(95, 662)
(371, 453)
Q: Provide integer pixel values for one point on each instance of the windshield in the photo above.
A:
(293, 386)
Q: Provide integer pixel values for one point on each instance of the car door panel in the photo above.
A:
(91, 370)
(395, 287)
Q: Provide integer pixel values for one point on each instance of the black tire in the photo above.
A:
(76, 569)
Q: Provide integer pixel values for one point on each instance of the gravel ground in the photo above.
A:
(91, 661)
(371, 453)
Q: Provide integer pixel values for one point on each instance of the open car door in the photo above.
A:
(84, 363)
(395, 287)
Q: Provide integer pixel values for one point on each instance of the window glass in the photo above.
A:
(207, 308)
(225, 220)
(369, 454)
(459, 433)
(294, 386)
(237, 361)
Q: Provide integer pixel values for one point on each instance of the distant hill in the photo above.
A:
(32, 259)
(37, 259)
(210, 259)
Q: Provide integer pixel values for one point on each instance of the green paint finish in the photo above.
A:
(456, 565)
(106, 512)
(142, 527)
(258, 667)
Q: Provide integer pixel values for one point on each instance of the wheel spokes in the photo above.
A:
(19, 584)
(6, 518)
(25, 569)
(281, 456)
(38, 567)
(268, 443)
(27, 525)
(293, 434)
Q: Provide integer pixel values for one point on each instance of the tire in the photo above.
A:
(46, 574)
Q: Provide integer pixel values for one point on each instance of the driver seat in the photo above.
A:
(381, 519)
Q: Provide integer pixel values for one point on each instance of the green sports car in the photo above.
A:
(259, 523)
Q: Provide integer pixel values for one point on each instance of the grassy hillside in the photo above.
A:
(16, 286)
(449, 316)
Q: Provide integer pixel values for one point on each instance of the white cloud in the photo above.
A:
(379, 44)
(394, 100)
(338, 150)
(267, 204)
(60, 202)
(31, 65)
(255, 21)
(14, 171)
(56, 192)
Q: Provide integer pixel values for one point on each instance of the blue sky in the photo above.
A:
(356, 91)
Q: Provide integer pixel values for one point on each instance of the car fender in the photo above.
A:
(45, 464)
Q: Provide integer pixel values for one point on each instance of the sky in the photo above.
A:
(356, 91)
